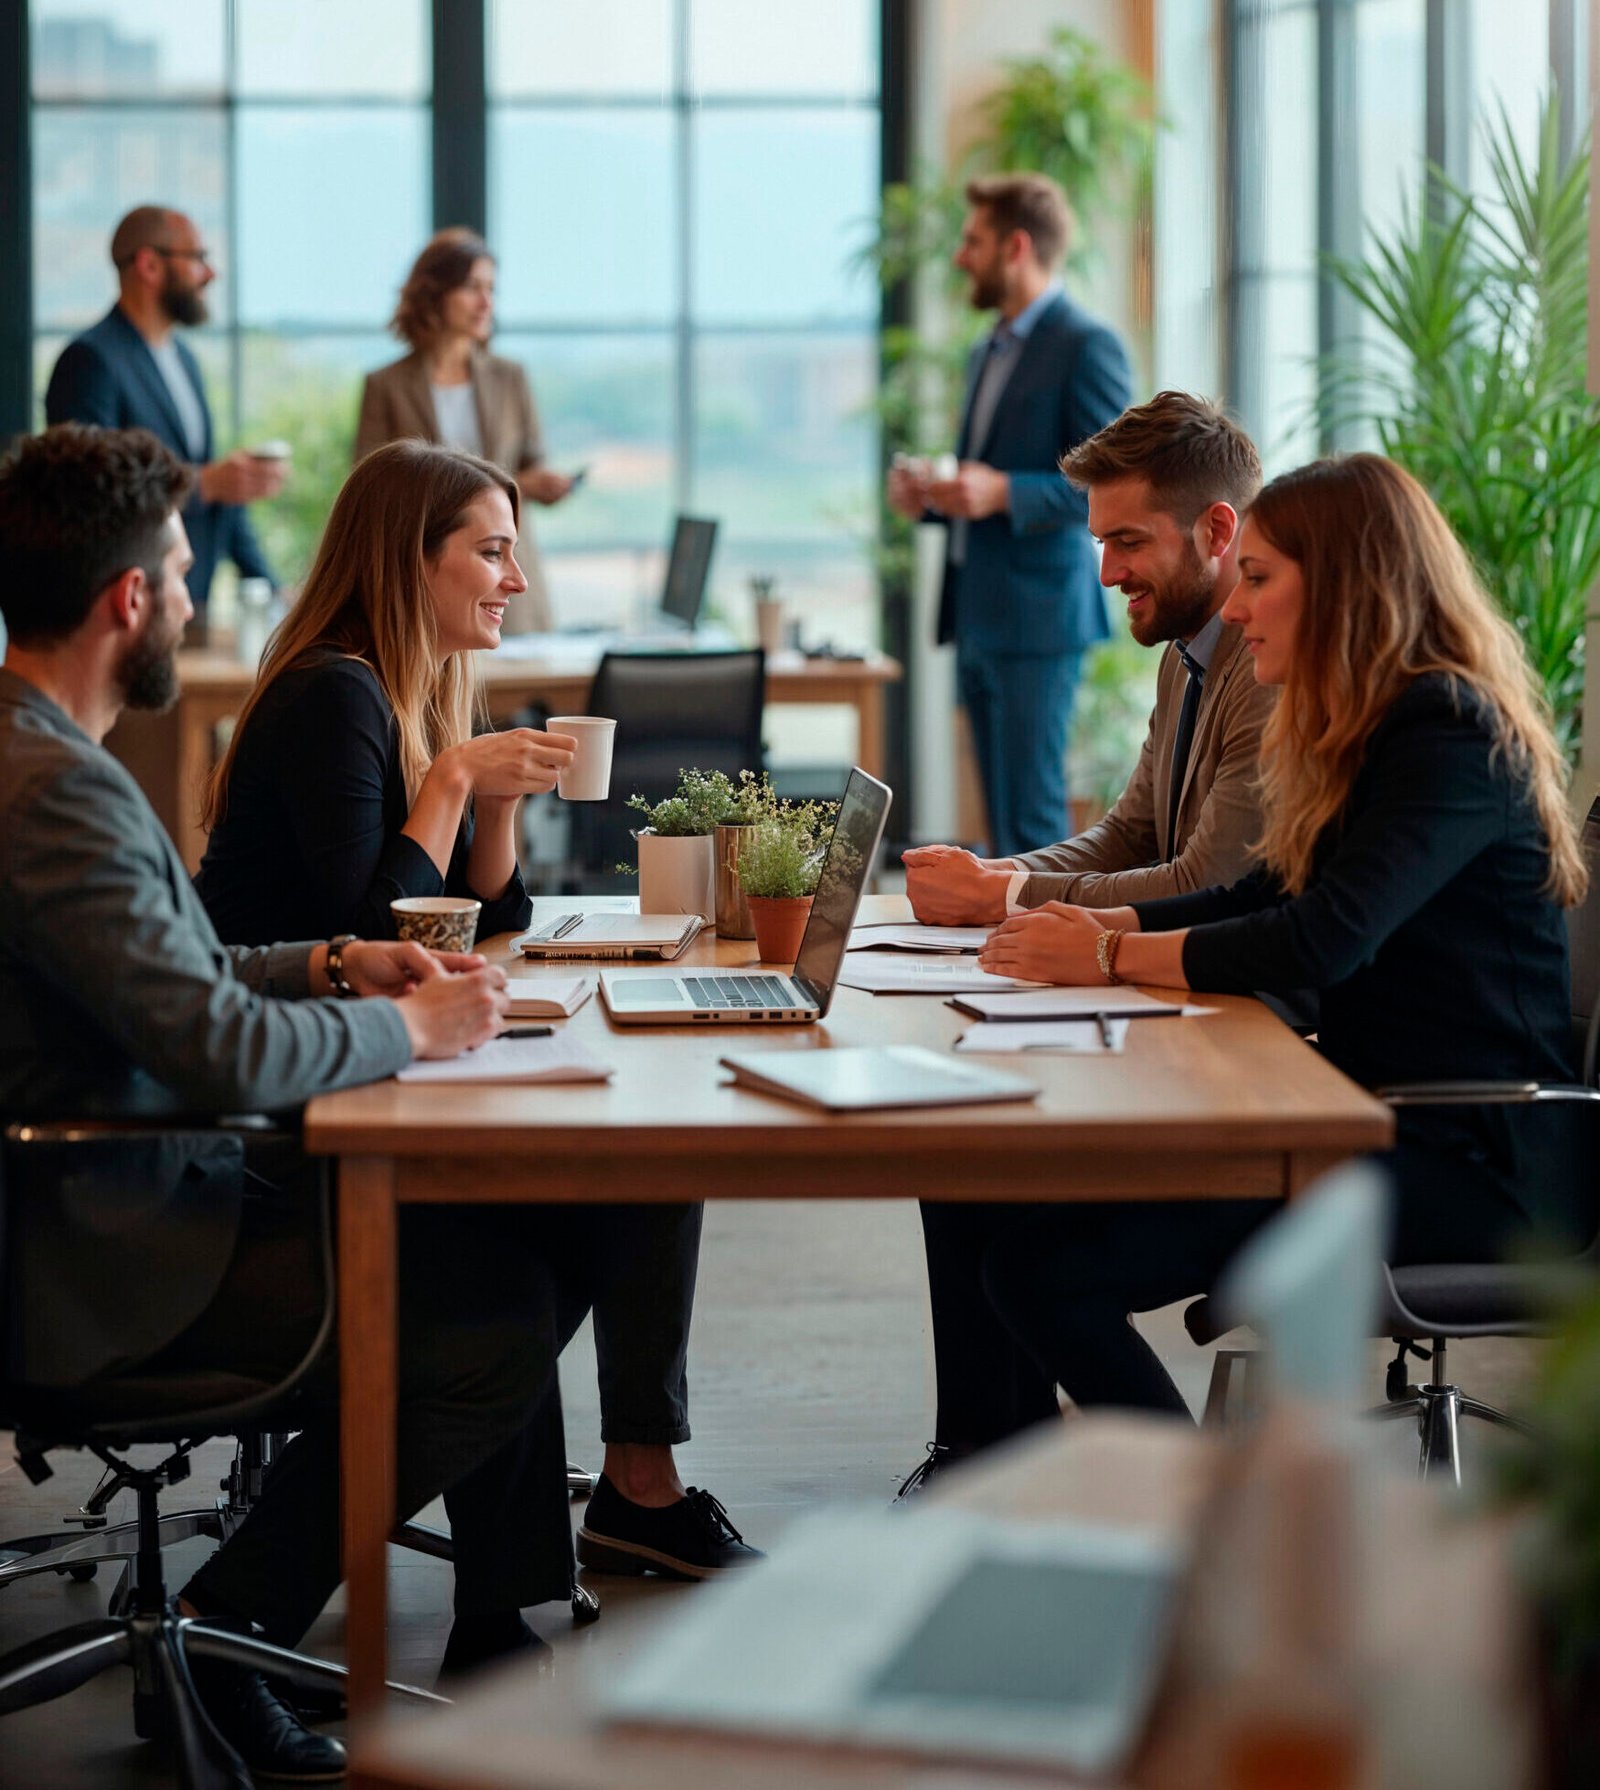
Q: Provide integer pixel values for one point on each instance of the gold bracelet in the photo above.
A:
(1105, 954)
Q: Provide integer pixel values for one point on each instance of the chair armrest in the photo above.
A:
(1483, 1093)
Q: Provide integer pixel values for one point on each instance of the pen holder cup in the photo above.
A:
(733, 910)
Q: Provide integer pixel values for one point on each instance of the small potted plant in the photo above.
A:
(779, 863)
(677, 865)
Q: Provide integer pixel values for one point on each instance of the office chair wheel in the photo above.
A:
(81, 1575)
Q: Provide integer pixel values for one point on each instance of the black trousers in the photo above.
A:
(1028, 1297)
(482, 1319)
(636, 1266)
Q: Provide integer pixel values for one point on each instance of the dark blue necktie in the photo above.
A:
(1183, 740)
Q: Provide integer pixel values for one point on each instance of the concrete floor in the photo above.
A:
(811, 1382)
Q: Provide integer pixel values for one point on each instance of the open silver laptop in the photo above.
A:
(724, 996)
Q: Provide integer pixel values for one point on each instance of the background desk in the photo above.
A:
(172, 754)
(1441, 1593)
(1222, 1107)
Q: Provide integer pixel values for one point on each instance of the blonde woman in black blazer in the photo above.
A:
(452, 391)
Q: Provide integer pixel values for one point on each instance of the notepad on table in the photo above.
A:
(1063, 1003)
(560, 1057)
(863, 1080)
(547, 997)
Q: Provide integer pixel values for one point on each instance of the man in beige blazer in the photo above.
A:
(1167, 483)
(452, 391)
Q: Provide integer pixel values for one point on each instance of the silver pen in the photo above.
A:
(1108, 1038)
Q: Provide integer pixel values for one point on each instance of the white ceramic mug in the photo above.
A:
(588, 778)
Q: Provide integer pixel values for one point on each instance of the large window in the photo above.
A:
(296, 136)
(676, 188)
(1331, 111)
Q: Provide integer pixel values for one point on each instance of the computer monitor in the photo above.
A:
(687, 568)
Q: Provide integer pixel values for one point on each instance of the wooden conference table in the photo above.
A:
(176, 751)
(1224, 1106)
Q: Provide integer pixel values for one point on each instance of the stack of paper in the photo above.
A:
(943, 940)
(1033, 1002)
(559, 1057)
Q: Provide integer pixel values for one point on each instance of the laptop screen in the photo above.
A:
(692, 541)
(856, 835)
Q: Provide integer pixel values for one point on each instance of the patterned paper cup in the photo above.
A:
(441, 922)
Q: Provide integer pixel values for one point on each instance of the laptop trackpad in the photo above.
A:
(645, 991)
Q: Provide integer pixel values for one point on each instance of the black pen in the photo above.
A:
(530, 1032)
(1108, 1038)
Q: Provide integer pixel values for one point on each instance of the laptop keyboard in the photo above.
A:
(738, 991)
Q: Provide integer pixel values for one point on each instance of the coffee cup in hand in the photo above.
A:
(588, 777)
(439, 922)
(275, 451)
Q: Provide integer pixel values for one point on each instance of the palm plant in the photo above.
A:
(1477, 385)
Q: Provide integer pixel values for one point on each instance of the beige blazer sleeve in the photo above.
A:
(395, 406)
(1219, 816)
(374, 426)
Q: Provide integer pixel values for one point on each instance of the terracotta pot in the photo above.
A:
(677, 875)
(780, 922)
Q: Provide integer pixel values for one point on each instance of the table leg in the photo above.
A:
(368, 1393)
(869, 729)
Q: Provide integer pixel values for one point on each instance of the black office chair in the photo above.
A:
(180, 1408)
(673, 711)
(1427, 1306)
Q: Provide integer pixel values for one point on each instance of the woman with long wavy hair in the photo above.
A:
(1416, 853)
(354, 777)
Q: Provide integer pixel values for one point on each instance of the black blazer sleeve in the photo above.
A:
(1429, 799)
(336, 755)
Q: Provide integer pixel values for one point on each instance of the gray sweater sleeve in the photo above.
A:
(98, 905)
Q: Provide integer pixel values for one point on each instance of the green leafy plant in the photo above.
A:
(782, 857)
(1477, 385)
(700, 804)
(1110, 716)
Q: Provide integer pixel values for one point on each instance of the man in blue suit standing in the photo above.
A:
(1021, 597)
(132, 371)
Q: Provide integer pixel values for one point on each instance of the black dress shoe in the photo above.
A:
(939, 1456)
(270, 1738)
(692, 1539)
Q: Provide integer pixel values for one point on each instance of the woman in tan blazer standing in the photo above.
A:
(450, 390)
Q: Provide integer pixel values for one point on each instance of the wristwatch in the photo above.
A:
(334, 966)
